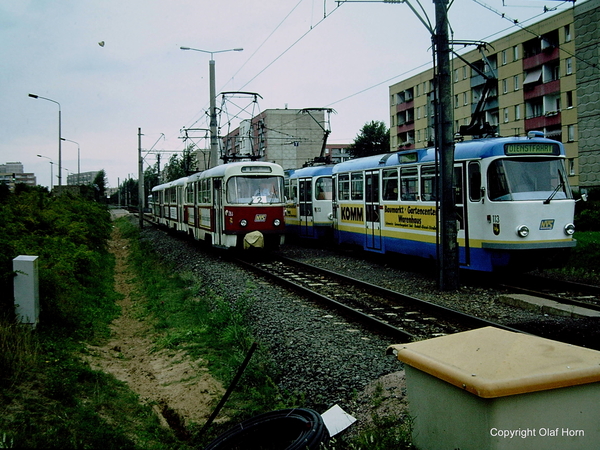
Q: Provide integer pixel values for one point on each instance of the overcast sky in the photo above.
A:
(299, 53)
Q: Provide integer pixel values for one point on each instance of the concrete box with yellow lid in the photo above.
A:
(494, 389)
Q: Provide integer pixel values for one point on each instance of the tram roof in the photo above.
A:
(237, 167)
(473, 149)
(178, 182)
(311, 171)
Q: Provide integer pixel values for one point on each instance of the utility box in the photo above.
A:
(495, 389)
(26, 286)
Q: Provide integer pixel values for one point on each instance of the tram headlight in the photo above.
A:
(569, 229)
(277, 222)
(243, 222)
(523, 231)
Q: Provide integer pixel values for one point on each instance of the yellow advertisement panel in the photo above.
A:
(352, 214)
(291, 211)
(410, 216)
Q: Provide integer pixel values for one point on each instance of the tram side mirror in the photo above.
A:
(584, 195)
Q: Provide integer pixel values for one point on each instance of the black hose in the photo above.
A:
(286, 429)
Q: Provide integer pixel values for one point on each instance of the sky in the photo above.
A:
(116, 66)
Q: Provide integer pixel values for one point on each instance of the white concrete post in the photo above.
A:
(26, 285)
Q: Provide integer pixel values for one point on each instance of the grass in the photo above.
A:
(583, 264)
(190, 316)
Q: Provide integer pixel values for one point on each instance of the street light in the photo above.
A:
(59, 135)
(78, 160)
(214, 146)
(51, 169)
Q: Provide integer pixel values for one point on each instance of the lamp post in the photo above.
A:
(51, 169)
(59, 135)
(214, 146)
(78, 160)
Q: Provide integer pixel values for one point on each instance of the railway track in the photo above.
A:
(383, 310)
(564, 292)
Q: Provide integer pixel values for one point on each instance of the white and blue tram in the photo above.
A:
(513, 203)
(308, 211)
(232, 205)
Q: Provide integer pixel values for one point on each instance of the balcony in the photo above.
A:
(539, 90)
(550, 119)
(400, 107)
(545, 56)
(405, 127)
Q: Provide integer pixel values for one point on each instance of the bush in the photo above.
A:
(587, 213)
(70, 235)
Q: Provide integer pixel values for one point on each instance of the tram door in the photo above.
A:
(218, 213)
(460, 205)
(305, 207)
(372, 211)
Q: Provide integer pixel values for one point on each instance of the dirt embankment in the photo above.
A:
(178, 388)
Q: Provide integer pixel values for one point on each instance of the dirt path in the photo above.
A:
(178, 388)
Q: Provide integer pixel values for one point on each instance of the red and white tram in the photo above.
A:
(232, 205)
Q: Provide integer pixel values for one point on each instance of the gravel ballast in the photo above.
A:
(322, 357)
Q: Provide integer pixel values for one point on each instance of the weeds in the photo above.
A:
(190, 316)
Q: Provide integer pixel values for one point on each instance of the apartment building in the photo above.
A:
(12, 173)
(288, 137)
(521, 82)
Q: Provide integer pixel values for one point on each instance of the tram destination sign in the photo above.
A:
(531, 148)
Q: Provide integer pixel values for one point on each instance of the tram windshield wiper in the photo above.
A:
(555, 191)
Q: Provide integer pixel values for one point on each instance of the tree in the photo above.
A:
(179, 167)
(373, 139)
(99, 185)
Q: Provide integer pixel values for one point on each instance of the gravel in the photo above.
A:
(322, 357)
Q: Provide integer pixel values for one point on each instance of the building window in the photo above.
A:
(455, 75)
(569, 99)
(504, 58)
(504, 86)
(515, 53)
(505, 115)
(569, 62)
(464, 72)
(418, 112)
(517, 112)
(571, 166)
(418, 90)
(516, 80)
(456, 104)
(465, 99)
(567, 33)
(570, 133)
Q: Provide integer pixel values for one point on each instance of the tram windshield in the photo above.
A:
(249, 190)
(527, 179)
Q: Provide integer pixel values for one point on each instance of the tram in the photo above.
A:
(308, 209)
(514, 206)
(238, 204)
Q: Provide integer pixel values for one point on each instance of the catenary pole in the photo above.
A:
(448, 263)
(140, 180)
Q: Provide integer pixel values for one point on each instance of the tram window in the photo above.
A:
(305, 190)
(323, 188)
(428, 183)
(474, 182)
(390, 184)
(204, 191)
(344, 187)
(241, 189)
(408, 183)
(527, 179)
(458, 185)
(189, 193)
(357, 186)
